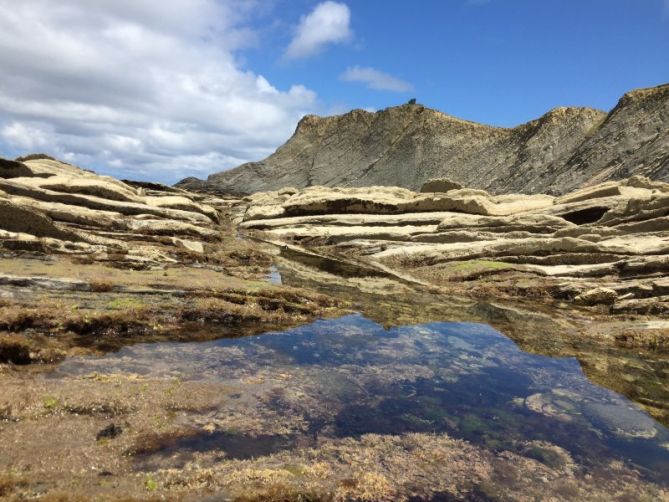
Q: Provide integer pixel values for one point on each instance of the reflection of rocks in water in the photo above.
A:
(638, 375)
(274, 276)
(350, 377)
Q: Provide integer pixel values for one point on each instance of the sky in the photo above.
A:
(163, 90)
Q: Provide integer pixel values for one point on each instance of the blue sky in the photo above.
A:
(500, 62)
(164, 90)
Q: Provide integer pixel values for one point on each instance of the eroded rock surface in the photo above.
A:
(600, 245)
(122, 263)
(51, 206)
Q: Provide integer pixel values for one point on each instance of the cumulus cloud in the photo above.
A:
(328, 23)
(150, 89)
(375, 79)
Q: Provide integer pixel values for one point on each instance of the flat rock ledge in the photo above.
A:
(603, 245)
(48, 206)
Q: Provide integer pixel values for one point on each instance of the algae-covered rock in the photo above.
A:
(597, 296)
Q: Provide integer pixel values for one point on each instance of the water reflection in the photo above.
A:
(350, 376)
(274, 276)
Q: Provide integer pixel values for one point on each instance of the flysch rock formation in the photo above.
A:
(54, 207)
(607, 244)
(122, 262)
(407, 145)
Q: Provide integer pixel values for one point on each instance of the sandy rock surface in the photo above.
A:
(613, 235)
(47, 205)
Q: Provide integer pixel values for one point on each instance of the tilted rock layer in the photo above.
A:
(407, 145)
(51, 206)
(607, 244)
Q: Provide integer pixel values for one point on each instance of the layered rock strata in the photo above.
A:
(51, 206)
(565, 149)
(614, 235)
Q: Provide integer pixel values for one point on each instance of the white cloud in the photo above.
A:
(375, 79)
(328, 23)
(149, 89)
(23, 136)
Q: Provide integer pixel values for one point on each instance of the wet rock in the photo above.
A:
(548, 454)
(647, 306)
(55, 284)
(15, 352)
(552, 405)
(112, 431)
(624, 421)
(612, 415)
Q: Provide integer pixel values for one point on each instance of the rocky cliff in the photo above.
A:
(405, 146)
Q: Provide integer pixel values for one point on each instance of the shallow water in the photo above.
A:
(274, 276)
(350, 376)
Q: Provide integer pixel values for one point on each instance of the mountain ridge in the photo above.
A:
(406, 145)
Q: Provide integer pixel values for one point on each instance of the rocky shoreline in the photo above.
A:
(90, 265)
(605, 246)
